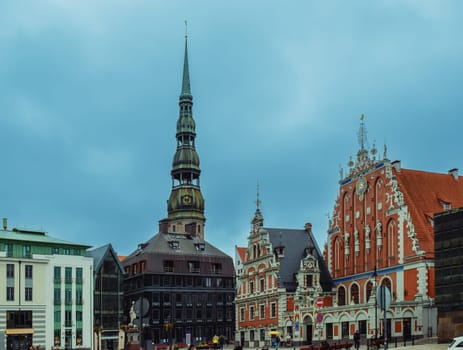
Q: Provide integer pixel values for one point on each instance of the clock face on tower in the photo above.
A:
(186, 200)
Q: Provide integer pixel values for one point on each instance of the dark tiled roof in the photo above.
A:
(295, 241)
(159, 248)
(98, 254)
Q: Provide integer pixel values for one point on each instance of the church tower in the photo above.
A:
(185, 206)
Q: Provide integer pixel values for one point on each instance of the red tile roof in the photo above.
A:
(425, 193)
(241, 252)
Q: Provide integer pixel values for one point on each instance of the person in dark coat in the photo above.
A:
(357, 339)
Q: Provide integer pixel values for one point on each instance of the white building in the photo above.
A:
(46, 294)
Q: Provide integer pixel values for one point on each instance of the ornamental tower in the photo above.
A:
(185, 206)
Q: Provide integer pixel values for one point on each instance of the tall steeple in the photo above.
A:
(185, 206)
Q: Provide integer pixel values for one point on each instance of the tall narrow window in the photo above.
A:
(57, 274)
(27, 251)
(341, 296)
(9, 271)
(79, 273)
(68, 275)
(28, 271)
(354, 294)
(28, 294)
(9, 250)
(10, 293)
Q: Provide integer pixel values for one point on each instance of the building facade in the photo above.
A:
(107, 299)
(179, 287)
(448, 227)
(381, 233)
(58, 312)
(283, 279)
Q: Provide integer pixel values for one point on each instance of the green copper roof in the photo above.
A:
(35, 237)
(186, 90)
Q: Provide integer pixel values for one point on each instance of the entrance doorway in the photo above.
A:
(309, 333)
(19, 341)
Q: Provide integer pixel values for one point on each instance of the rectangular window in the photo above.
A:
(262, 284)
(193, 266)
(217, 269)
(28, 294)
(77, 252)
(273, 310)
(79, 275)
(79, 296)
(251, 313)
(9, 271)
(309, 280)
(10, 293)
(27, 251)
(57, 274)
(28, 271)
(242, 314)
(68, 275)
(54, 250)
(68, 318)
(66, 251)
(68, 296)
(168, 266)
(58, 316)
(251, 287)
(262, 311)
(57, 296)
(78, 315)
(9, 250)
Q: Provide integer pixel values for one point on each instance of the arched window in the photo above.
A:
(354, 293)
(369, 290)
(341, 296)
(387, 282)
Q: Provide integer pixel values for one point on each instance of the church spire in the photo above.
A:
(185, 206)
(186, 90)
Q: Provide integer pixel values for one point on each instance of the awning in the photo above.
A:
(13, 331)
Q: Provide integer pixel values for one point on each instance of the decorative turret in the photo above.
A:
(185, 206)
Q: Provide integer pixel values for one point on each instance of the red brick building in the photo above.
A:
(383, 222)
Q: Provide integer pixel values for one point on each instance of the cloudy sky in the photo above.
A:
(89, 101)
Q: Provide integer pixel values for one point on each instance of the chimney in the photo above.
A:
(5, 224)
(163, 226)
(453, 172)
(396, 165)
(308, 227)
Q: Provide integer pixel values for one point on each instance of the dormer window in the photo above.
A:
(280, 251)
(200, 246)
(174, 245)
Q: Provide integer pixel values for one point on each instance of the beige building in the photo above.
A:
(47, 297)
